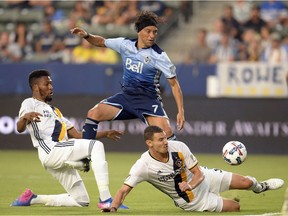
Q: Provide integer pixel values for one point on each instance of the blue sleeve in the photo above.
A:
(114, 43)
(166, 66)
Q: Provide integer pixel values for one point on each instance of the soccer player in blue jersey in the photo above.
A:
(143, 63)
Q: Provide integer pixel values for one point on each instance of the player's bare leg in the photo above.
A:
(161, 122)
(103, 112)
(240, 182)
(250, 183)
(230, 206)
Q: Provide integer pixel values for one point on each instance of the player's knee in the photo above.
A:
(230, 206)
(98, 146)
(83, 201)
(93, 113)
(168, 131)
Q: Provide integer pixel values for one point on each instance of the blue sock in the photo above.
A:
(90, 129)
(172, 137)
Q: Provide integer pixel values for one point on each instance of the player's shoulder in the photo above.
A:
(145, 158)
(141, 164)
(157, 49)
(176, 145)
(28, 101)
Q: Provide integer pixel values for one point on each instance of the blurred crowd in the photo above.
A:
(246, 31)
(251, 31)
(49, 39)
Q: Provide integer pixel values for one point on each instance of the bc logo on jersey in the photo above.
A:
(147, 59)
(137, 68)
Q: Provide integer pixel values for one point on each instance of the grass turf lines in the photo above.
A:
(22, 169)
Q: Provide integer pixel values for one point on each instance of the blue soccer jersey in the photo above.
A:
(142, 68)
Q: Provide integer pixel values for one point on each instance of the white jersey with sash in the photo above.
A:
(52, 128)
(166, 176)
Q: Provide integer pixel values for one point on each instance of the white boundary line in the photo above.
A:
(266, 214)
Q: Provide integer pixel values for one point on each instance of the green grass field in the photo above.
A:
(22, 169)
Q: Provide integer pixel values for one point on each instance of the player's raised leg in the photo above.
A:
(163, 123)
(100, 112)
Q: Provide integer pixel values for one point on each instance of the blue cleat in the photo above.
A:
(24, 199)
(107, 204)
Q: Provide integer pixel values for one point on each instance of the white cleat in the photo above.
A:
(271, 184)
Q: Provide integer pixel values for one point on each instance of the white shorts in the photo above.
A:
(72, 150)
(206, 195)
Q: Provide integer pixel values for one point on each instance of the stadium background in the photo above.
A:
(213, 117)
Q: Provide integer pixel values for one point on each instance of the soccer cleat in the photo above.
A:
(86, 164)
(82, 165)
(24, 199)
(270, 184)
(107, 204)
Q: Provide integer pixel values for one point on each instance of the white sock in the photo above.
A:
(100, 168)
(55, 200)
(256, 185)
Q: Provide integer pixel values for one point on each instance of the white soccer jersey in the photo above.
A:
(52, 128)
(166, 176)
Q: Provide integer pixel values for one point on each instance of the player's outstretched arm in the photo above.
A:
(25, 119)
(177, 93)
(198, 177)
(111, 134)
(95, 40)
(118, 199)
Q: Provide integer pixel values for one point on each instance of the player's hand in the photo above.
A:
(33, 116)
(114, 135)
(109, 210)
(79, 32)
(184, 186)
(180, 121)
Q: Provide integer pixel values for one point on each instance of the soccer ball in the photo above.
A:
(234, 153)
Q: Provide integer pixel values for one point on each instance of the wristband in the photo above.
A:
(86, 36)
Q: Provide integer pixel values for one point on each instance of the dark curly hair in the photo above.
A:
(146, 18)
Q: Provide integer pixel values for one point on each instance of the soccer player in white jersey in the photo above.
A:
(59, 155)
(143, 64)
(173, 169)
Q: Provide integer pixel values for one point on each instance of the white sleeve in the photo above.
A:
(68, 123)
(114, 44)
(26, 106)
(137, 174)
(190, 159)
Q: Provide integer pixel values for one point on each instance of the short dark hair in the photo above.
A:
(146, 18)
(150, 131)
(36, 74)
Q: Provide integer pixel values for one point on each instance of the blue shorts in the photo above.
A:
(135, 106)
